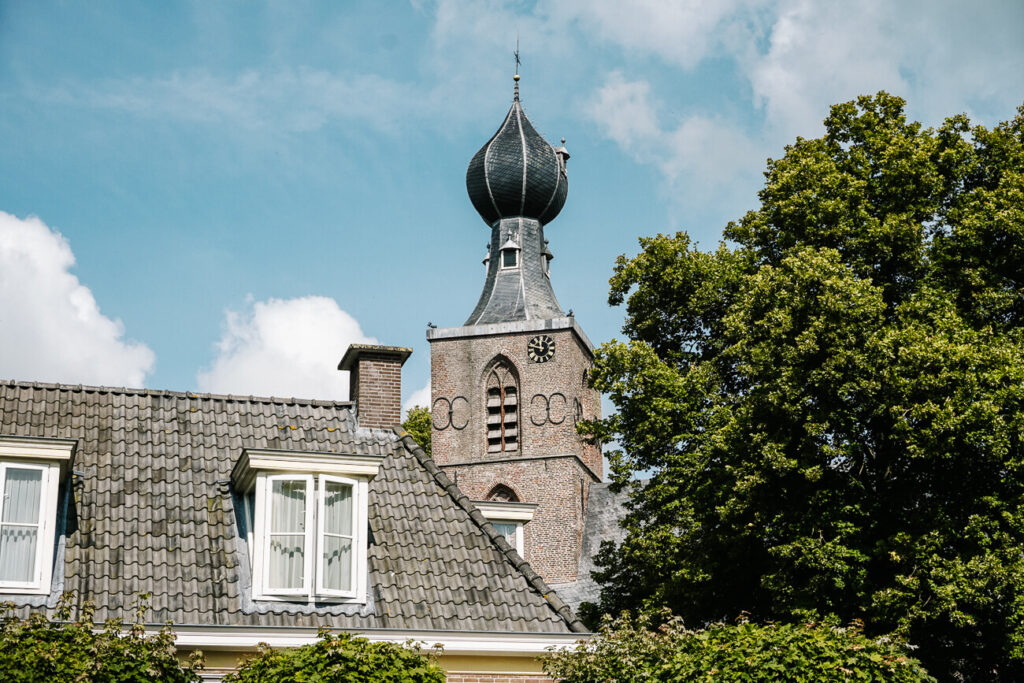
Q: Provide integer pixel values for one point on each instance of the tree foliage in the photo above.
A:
(340, 659)
(38, 650)
(630, 650)
(830, 406)
(417, 423)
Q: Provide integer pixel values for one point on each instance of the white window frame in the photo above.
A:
(52, 457)
(518, 541)
(358, 510)
(255, 472)
(264, 487)
(504, 512)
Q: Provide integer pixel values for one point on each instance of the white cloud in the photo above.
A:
(284, 347)
(420, 397)
(681, 32)
(948, 59)
(822, 53)
(798, 57)
(701, 157)
(271, 101)
(51, 328)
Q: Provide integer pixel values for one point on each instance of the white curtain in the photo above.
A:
(337, 539)
(287, 533)
(19, 524)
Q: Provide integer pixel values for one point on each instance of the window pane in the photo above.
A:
(21, 495)
(288, 506)
(508, 258)
(287, 559)
(337, 563)
(17, 553)
(507, 530)
(337, 508)
(287, 534)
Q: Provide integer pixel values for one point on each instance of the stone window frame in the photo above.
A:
(53, 458)
(503, 382)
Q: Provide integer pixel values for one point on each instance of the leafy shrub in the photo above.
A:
(340, 659)
(38, 650)
(628, 650)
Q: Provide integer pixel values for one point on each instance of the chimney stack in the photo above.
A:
(375, 383)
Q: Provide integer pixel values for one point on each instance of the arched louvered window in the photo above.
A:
(503, 494)
(502, 409)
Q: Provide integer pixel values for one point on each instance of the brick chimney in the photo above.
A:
(375, 383)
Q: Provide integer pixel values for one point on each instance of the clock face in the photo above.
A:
(541, 348)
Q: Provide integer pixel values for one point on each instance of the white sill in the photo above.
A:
(23, 590)
(305, 599)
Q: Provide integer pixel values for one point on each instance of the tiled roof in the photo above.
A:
(152, 513)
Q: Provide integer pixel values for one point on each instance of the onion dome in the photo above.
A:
(517, 173)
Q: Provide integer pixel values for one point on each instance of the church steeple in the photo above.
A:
(509, 387)
(518, 183)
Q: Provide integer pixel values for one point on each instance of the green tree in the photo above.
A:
(631, 650)
(343, 658)
(38, 650)
(417, 423)
(830, 406)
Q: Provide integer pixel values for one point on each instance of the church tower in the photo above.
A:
(509, 386)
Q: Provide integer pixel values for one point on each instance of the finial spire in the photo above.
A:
(518, 62)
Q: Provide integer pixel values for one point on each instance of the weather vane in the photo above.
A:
(516, 54)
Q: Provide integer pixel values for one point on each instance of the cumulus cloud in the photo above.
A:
(51, 328)
(284, 347)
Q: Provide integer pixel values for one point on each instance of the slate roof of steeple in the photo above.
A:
(517, 173)
(152, 512)
(517, 183)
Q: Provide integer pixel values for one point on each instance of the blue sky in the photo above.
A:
(222, 196)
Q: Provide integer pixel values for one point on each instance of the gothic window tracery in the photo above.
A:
(503, 494)
(502, 409)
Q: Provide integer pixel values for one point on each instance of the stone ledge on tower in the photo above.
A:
(564, 323)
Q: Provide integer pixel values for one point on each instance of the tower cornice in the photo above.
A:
(505, 328)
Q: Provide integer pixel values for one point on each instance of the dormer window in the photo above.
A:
(508, 519)
(308, 514)
(510, 254)
(31, 472)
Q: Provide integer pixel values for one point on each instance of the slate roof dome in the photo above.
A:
(517, 173)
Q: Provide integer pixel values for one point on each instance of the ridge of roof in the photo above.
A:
(533, 579)
(98, 389)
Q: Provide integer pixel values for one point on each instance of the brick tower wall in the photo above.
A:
(552, 465)
(457, 379)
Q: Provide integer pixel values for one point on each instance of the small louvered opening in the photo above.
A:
(502, 410)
